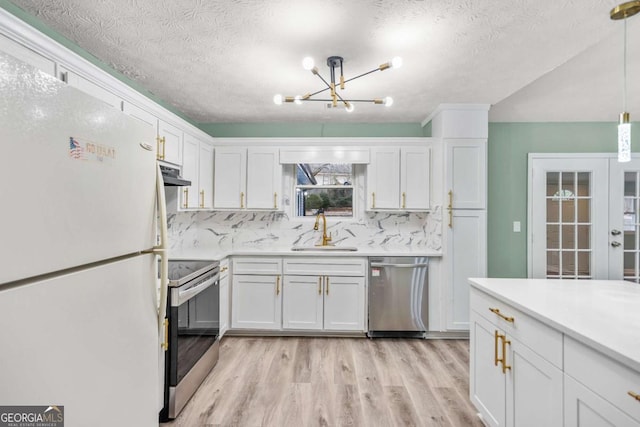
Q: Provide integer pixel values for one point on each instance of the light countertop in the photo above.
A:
(603, 314)
(217, 254)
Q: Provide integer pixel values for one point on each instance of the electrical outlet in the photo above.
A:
(516, 226)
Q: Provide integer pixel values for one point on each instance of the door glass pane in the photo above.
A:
(583, 264)
(630, 183)
(584, 238)
(629, 264)
(553, 264)
(553, 210)
(568, 237)
(584, 210)
(583, 184)
(553, 183)
(568, 264)
(629, 240)
(568, 182)
(553, 237)
(568, 211)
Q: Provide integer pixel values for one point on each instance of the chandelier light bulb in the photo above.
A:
(308, 63)
(349, 108)
(298, 100)
(277, 99)
(396, 62)
(388, 101)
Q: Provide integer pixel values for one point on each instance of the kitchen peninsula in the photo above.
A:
(555, 352)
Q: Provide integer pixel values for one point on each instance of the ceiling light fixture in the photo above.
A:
(335, 62)
(624, 11)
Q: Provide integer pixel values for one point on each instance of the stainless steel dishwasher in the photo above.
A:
(398, 296)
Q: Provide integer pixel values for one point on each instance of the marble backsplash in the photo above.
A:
(248, 230)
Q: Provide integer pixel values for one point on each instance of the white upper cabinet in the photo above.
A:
(398, 178)
(189, 195)
(383, 178)
(230, 178)
(197, 167)
(169, 143)
(205, 181)
(264, 178)
(141, 115)
(247, 178)
(27, 55)
(415, 178)
(466, 174)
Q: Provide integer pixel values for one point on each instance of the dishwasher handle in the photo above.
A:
(379, 264)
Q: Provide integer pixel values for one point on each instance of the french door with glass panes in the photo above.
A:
(583, 221)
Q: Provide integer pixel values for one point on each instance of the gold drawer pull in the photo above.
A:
(495, 348)
(373, 200)
(636, 396)
(278, 285)
(404, 200)
(505, 341)
(506, 318)
(275, 200)
(450, 208)
(186, 197)
(326, 280)
(319, 285)
(241, 200)
(202, 198)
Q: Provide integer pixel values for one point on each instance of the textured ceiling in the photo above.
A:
(223, 60)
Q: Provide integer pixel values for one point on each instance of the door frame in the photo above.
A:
(549, 156)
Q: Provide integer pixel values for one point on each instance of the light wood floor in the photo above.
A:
(295, 382)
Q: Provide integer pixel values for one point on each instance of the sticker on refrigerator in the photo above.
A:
(81, 149)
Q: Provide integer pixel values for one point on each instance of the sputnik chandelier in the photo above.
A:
(335, 62)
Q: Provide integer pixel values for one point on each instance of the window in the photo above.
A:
(327, 186)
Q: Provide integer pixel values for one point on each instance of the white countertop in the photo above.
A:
(603, 314)
(217, 254)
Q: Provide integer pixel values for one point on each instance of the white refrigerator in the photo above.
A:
(78, 242)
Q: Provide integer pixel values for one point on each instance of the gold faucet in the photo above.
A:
(325, 239)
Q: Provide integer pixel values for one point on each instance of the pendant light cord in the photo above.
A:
(624, 69)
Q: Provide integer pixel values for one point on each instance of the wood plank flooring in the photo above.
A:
(296, 382)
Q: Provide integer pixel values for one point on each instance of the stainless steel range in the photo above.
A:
(194, 326)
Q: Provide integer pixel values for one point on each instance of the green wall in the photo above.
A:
(509, 144)
(247, 130)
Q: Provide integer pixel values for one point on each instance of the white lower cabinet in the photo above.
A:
(584, 408)
(509, 381)
(257, 302)
(319, 302)
(224, 297)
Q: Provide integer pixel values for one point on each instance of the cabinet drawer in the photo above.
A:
(542, 339)
(348, 266)
(605, 376)
(257, 265)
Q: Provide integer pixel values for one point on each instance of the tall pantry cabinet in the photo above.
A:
(464, 131)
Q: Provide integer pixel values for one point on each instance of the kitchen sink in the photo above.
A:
(324, 248)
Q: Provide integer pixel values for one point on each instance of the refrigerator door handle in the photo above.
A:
(161, 250)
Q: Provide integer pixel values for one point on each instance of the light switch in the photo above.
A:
(516, 226)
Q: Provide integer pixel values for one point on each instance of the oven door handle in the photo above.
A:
(187, 294)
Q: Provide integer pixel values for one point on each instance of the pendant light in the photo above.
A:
(624, 11)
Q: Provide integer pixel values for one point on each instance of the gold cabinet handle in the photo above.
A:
(404, 200)
(160, 154)
(373, 200)
(278, 285)
(636, 396)
(450, 208)
(506, 318)
(186, 197)
(223, 269)
(165, 344)
(164, 144)
(326, 281)
(202, 198)
(241, 200)
(505, 341)
(495, 348)
(319, 285)
(275, 200)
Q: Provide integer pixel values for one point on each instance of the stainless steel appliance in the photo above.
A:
(398, 296)
(193, 331)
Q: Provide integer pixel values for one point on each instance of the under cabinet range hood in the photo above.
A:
(171, 177)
